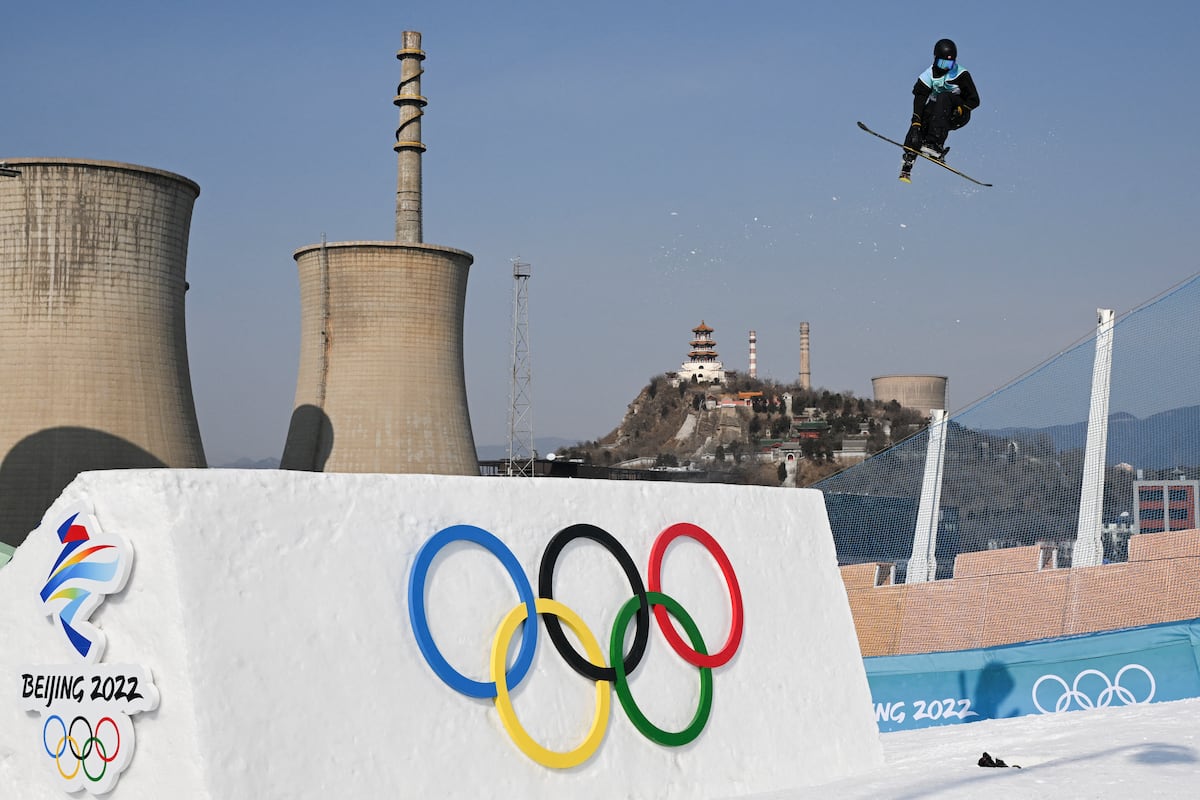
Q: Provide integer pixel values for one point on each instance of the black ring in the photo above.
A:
(87, 747)
(554, 626)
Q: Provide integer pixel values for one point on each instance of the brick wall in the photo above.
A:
(1002, 597)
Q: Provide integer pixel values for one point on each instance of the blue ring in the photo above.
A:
(46, 725)
(420, 624)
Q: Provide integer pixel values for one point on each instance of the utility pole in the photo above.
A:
(520, 407)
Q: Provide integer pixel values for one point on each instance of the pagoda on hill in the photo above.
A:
(703, 364)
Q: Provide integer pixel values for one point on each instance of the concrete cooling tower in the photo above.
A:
(94, 366)
(921, 392)
(381, 385)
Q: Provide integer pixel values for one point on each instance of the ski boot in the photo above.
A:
(906, 168)
(934, 152)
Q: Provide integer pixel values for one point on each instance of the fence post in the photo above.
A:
(1089, 550)
(922, 566)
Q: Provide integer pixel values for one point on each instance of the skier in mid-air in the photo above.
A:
(943, 98)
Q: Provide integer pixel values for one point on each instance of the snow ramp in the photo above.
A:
(284, 634)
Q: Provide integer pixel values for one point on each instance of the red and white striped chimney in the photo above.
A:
(805, 375)
(753, 355)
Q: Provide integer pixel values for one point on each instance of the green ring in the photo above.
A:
(616, 651)
(103, 755)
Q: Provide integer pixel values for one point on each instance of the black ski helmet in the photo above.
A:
(945, 48)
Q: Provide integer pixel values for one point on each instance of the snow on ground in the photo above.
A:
(1145, 751)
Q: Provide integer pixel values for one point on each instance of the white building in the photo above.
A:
(703, 364)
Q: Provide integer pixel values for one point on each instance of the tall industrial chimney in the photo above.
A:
(408, 145)
(94, 366)
(753, 355)
(805, 375)
(381, 385)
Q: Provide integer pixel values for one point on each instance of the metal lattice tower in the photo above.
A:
(520, 407)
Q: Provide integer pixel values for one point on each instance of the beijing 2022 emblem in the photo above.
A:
(87, 736)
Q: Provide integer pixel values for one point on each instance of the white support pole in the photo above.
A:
(922, 566)
(1089, 549)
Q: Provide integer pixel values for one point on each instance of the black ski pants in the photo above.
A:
(940, 115)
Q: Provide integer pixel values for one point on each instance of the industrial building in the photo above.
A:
(93, 258)
(381, 384)
(920, 392)
(1166, 505)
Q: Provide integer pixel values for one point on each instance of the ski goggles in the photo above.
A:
(944, 63)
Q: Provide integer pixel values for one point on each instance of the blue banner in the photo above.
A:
(1150, 664)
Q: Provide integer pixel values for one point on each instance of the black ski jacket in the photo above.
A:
(957, 80)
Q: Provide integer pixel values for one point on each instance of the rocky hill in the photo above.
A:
(740, 429)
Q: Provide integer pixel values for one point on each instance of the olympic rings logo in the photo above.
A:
(92, 744)
(1112, 689)
(591, 665)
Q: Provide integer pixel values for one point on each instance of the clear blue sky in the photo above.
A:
(657, 163)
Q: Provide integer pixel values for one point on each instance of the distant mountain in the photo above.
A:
(1163, 440)
(543, 445)
(486, 452)
(246, 463)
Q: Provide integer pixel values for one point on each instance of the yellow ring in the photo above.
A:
(58, 763)
(522, 739)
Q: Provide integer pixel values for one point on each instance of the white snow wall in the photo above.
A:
(271, 608)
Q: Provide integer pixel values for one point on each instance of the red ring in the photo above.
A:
(115, 728)
(666, 624)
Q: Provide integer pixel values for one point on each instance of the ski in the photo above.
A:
(941, 164)
(9, 172)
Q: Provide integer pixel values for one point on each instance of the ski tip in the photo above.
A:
(905, 179)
